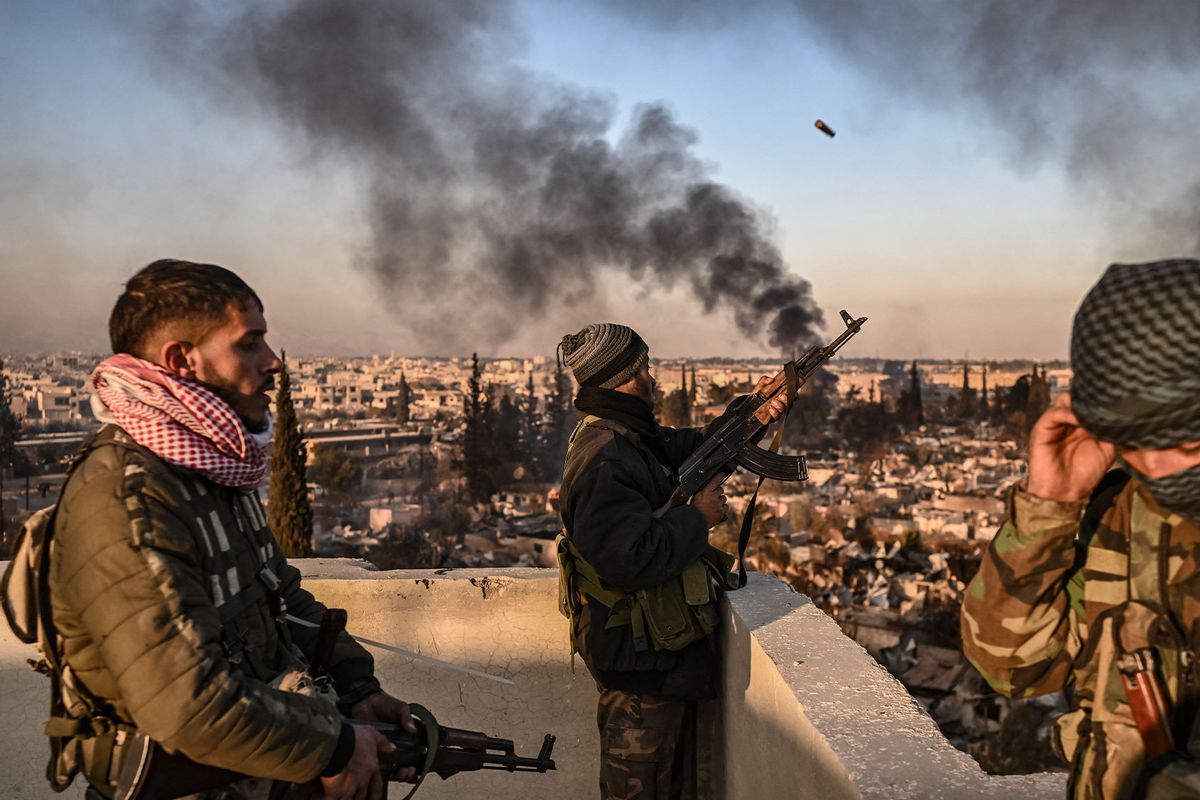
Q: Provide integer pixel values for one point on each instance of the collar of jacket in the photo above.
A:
(627, 409)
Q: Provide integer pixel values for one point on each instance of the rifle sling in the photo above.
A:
(793, 385)
(433, 736)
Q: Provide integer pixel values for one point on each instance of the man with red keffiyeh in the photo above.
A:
(177, 616)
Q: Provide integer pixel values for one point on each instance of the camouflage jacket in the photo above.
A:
(166, 623)
(1041, 615)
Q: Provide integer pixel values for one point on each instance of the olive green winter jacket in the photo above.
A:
(164, 616)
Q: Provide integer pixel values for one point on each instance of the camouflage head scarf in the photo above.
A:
(1135, 353)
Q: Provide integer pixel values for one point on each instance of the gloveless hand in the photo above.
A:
(776, 405)
(711, 502)
(382, 707)
(1065, 461)
(360, 778)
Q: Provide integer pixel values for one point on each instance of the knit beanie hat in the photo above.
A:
(604, 354)
(1135, 354)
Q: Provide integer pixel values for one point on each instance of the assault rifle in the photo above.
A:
(440, 750)
(150, 773)
(733, 444)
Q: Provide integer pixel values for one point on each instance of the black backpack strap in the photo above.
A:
(747, 527)
(1102, 499)
(61, 727)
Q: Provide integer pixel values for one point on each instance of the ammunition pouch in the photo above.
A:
(669, 616)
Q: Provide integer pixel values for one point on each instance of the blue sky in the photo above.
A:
(913, 215)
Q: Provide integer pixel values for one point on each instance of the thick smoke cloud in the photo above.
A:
(1107, 90)
(491, 192)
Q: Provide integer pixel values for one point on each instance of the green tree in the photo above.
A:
(1039, 397)
(674, 411)
(530, 433)
(557, 422)
(505, 419)
(985, 410)
(338, 471)
(289, 514)
(10, 426)
(11, 456)
(867, 429)
(910, 407)
(687, 396)
(1023, 403)
(403, 400)
(475, 445)
(968, 398)
(720, 394)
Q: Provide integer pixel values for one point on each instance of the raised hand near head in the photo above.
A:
(1065, 461)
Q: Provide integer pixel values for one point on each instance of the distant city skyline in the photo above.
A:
(981, 178)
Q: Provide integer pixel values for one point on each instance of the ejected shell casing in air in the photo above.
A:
(825, 129)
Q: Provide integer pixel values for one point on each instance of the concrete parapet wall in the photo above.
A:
(504, 622)
(805, 712)
(822, 719)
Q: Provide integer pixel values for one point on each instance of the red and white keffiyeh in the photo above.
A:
(181, 421)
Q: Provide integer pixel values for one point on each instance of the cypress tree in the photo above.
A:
(403, 399)
(984, 409)
(557, 421)
(685, 398)
(289, 514)
(914, 388)
(966, 400)
(475, 434)
(10, 426)
(530, 429)
(10, 430)
(1039, 397)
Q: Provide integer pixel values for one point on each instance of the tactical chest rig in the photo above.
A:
(85, 732)
(669, 616)
(1143, 708)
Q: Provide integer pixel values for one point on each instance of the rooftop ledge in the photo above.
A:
(805, 711)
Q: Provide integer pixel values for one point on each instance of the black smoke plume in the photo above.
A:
(491, 191)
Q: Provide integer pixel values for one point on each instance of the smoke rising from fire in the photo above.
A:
(491, 191)
(1106, 89)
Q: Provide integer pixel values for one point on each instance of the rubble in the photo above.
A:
(901, 601)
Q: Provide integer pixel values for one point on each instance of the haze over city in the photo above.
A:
(442, 178)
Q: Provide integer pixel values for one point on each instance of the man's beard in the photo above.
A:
(238, 401)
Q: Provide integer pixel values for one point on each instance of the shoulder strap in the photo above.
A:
(1101, 500)
(604, 424)
(28, 579)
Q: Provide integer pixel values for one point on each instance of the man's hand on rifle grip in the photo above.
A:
(382, 707)
(711, 502)
(777, 404)
(360, 778)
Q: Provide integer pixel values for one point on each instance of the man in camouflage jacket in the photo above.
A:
(170, 597)
(1094, 565)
